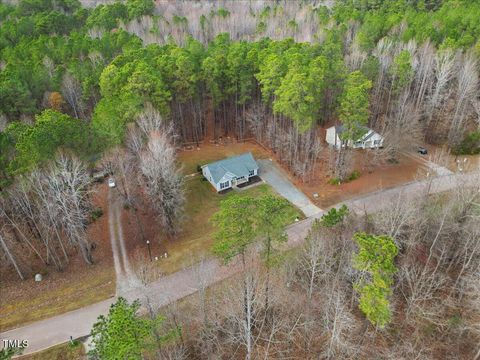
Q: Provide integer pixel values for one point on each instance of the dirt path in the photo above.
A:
(125, 276)
(428, 164)
(56, 330)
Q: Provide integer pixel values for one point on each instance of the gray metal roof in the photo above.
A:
(237, 166)
(368, 135)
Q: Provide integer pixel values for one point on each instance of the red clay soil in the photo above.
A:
(78, 285)
(208, 152)
(467, 163)
(148, 224)
(378, 178)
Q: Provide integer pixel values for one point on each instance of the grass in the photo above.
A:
(197, 238)
(64, 351)
(94, 285)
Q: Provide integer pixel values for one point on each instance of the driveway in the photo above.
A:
(58, 329)
(428, 164)
(277, 179)
(126, 278)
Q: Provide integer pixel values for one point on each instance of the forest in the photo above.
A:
(123, 85)
(410, 293)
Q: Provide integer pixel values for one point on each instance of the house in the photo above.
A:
(370, 140)
(230, 172)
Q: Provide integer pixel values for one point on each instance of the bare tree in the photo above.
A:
(163, 180)
(468, 81)
(444, 71)
(68, 182)
(9, 254)
(402, 129)
(72, 93)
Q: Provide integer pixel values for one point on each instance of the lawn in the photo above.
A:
(55, 296)
(59, 352)
(196, 239)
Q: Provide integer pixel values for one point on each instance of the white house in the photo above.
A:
(370, 140)
(230, 172)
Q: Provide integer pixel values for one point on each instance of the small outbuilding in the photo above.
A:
(230, 172)
(370, 140)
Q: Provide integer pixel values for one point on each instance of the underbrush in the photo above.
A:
(470, 145)
(354, 175)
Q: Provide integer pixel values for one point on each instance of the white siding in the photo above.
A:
(375, 141)
(332, 138)
(224, 179)
(208, 176)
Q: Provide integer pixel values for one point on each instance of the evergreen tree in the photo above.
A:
(354, 106)
(375, 261)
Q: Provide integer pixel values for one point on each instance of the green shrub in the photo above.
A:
(293, 25)
(74, 343)
(334, 181)
(179, 20)
(334, 216)
(137, 8)
(96, 214)
(470, 145)
(261, 27)
(354, 175)
(223, 13)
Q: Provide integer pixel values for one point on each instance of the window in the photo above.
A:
(376, 142)
(251, 173)
(223, 185)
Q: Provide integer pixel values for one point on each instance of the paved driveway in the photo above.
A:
(277, 179)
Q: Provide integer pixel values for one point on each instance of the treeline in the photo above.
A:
(425, 77)
(409, 70)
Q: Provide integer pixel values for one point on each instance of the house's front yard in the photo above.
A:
(196, 238)
(202, 201)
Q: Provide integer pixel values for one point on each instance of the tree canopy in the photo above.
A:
(375, 261)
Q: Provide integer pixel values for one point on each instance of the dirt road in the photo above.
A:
(126, 279)
(58, 329)
(428, 164)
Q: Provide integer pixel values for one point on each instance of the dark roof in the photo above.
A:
(239, 165)
(369, 135)
(339, 129)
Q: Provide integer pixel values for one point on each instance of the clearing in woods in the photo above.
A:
(80, 285)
